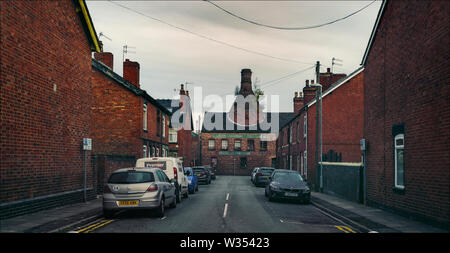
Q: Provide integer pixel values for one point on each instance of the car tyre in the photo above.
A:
(174, 203)
(161, 208)
(196, 189)
(186, 194)
(178, 196)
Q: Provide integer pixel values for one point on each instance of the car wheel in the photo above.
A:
(196, 189)
(271, 198)
(178, 196)
(161, 208)
(265, 192)
(174, 203)
(186, 194)
(108, 213)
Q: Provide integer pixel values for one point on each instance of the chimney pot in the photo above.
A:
(312, 81)
(307, 82)
(328, 70)
(296, 94)
(301, 94)
(182, 92)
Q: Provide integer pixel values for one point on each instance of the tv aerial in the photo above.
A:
(125, 51)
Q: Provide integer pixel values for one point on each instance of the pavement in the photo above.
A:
(366, 219)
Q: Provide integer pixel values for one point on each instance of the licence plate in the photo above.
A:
(198, 175)
(129, 203)
(288, 194)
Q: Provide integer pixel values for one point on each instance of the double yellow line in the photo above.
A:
(94, 226)
(345, 229)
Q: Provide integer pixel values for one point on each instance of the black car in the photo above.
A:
(203, 174)
(287, 184)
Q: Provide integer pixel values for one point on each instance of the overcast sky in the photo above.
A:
(169, 56)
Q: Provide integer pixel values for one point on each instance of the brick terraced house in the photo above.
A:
(181, 136)
(342, 125)
(127, 123)
(46, 98)
(407, 110)
(239, 142)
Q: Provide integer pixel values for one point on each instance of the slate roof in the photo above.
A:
(231, 127)
(127, 85)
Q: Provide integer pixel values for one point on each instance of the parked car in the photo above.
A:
(192, 179)
(287, 184)
(252, 175)
(212, 171)
(173, 168)
(203, 174)
(138, 188)
(262, 175)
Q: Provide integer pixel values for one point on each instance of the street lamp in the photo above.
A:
(319, 103)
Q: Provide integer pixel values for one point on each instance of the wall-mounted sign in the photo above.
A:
(236, 153)
(87, 144)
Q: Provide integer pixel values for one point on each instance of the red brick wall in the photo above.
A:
(407, 81)
(256, 158)
(45, 99)
(116, 118)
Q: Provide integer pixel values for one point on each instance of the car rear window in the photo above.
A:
(266, 170)
(131, 177)
(198, 169)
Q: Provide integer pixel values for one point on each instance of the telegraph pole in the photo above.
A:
(317, 126)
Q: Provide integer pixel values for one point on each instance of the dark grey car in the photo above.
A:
(203, 174)
(262, 175)
(138, 188)
(287, 184)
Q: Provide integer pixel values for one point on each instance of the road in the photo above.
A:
(229, 204)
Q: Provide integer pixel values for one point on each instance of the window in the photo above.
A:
(290, 162)
(224, 144)
(243, 162)
(305, 127)
(211, 144)
(158, 121)
(153, 151)
(237, 144)
(290, 134)
(157, 152)
(305, 165)
(144, 150)
(263, 145)
(144, 117)
(250, 145)
(399, 144)
(301, 164)
(164, 126)
(173, 136)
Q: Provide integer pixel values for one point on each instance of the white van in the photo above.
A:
(173, 167)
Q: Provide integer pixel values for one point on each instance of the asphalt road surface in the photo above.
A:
(229, 204)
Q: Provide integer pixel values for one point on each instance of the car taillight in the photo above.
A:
(152, 188)
(204, 173)
(106, 189)
(175, 173)
(259, 174)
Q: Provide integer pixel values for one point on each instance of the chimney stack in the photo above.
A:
(328, 78)
(131, 72)
(182, 91)
(298, 102)
(309, 93)
(246, 83)
(105, 58)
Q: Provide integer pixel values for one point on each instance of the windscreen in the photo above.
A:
(131, 177)
(287, 176)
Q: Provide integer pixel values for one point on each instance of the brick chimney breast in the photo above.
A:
(131, 72)
(105, 58)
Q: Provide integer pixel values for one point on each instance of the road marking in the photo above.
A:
(349, 229)
(228, 195)
(93, 226)
(225, 210)
(340, 228)
(100, 225)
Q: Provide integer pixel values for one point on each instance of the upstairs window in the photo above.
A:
(144, 117)
(237, 144)
(224, 144)
(263, 145)
(250, 145)
(211, 144)
(399, 145)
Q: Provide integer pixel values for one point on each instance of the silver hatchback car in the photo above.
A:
(138, 188)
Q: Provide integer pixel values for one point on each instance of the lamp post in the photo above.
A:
(319, 103)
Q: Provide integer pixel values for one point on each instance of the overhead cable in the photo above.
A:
(208, 38)
(288, 28)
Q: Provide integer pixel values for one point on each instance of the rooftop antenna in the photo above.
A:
(125, 51)
(186, 83)
(335, 61)
(102, 34)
